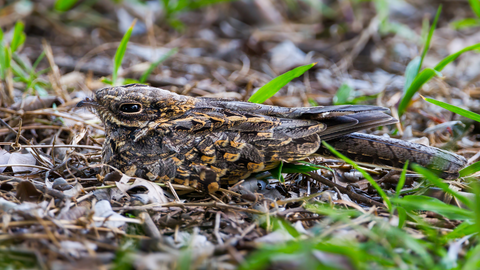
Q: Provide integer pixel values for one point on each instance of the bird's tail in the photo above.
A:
(388, 152)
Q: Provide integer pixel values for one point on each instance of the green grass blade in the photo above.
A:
(34, 75)
(472, 258)
(454, 109)
(312, 102)
(424, 76)
(361, 99)
(2, 64)
(316, 165)
(475, 5)
(402, 217)
(200, 4)
(364, 173)
(272, 87)
(43, 71)
(425, 29)
(129, 81)
(419, 202)
(429, 37)
(465, 23)
(461, 230)
(427, 74)
(185, 259)
(343, 95)
(8, 57)
(18, 36)
(285, 226)
(122, 48)
(411, 72)
(430, 176)
(156, 63)
(7, 60)
(475, 167)
(3, 57)
(447, 60)
(106, 81)
(64, 5)
(476, 200)
(413, 85)
(37, 62)
(20, 62)
(401, 181)
(296, 168)
(277, 172)
(40, 91)
(18, 71)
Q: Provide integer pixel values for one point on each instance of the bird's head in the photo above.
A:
(135, 105)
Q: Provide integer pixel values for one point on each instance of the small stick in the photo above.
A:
(342, 189)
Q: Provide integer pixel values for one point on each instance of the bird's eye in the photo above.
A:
(130, 108)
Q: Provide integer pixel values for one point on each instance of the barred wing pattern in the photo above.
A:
(204, 142)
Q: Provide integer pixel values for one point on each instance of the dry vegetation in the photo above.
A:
(59, 212)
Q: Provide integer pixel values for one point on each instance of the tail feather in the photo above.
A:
(339, 126)
(384, 151)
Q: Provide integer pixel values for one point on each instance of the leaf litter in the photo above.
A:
(64, 211)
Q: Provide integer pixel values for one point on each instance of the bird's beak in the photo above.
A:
(87, 102)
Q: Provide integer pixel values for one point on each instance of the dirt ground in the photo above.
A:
(60, 212)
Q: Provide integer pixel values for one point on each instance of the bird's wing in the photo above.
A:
(327, 121)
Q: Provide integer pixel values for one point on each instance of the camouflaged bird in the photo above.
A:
(204, 142)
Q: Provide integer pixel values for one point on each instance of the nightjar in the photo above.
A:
(205, 142)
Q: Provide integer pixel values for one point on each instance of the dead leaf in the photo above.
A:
(32, 103)
(26, 191)
(342, 262)
(76, 190)
(4, 157)
(285, 56)
(18, 158)
(114, 176)
(154, 192)
(76, 249)
(276, 237)
(195, 240)
(5, 205)
(72, 79)
(73, 214)
(104, 209)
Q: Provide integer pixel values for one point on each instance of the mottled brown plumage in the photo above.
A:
(203, 142)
